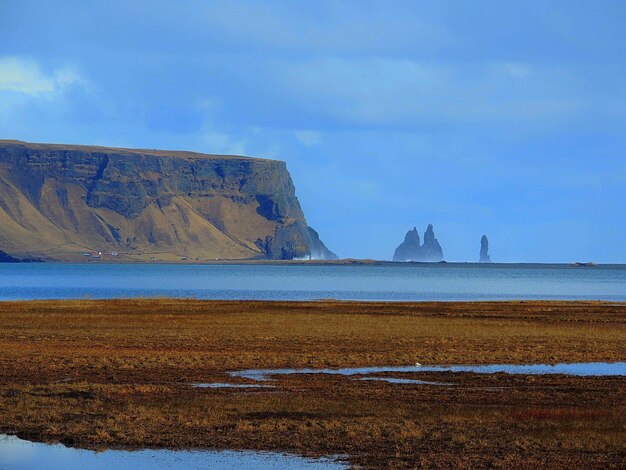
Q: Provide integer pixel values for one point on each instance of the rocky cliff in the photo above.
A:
(411, 250)
(63, 201)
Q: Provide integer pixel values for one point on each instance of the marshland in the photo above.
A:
(120, 374)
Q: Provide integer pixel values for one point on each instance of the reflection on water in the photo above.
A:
(295, 282)
(18, 454)
(579, 369)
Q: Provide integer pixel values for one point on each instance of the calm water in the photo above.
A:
(578, 368)
(272, 282)
(226, 385)
(18, 454)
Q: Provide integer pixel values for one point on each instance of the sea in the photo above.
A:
(366, 282)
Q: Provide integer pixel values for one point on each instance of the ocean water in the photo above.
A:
(403, 282)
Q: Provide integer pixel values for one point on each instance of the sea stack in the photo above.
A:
(411, 250)
(484, 250)
(431, 248)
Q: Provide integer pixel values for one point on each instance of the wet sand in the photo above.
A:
(119, 374)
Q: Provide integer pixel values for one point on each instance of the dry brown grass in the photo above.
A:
(117, 374)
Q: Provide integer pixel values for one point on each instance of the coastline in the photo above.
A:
(315, 262)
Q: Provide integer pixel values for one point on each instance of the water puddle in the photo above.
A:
(227, 385)
(395, 380)
(18, 454)
(578, 369)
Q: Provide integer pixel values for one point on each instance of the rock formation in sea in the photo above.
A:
(411, 250)
(68, 201)
(431, 248)
(484, 250)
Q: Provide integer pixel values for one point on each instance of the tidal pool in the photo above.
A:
(395, 380)
(579, 369)
(18, 454)
(226, 385)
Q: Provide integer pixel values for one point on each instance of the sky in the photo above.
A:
(484, 117)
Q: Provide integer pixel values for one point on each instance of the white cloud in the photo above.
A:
(24, 76)
(516, 70)
(388, 92)
(321, 26)
(307, 137)
(222, 143)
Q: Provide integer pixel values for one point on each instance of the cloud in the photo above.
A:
(222, 142)
(24, 76)
(362, 27)
(34, 100)
(514, 69)
(403, 92)
(307, 137)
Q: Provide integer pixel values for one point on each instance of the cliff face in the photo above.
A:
(60, 200)
(411, 250)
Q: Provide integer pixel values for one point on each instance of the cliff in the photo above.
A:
(411, 250)
(64, 201)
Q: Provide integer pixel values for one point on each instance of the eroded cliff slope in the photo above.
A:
(63, 201)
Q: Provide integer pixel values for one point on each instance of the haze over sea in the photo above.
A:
(401, 282)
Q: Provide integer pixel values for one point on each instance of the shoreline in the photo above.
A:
(402, 304)
(341, 262)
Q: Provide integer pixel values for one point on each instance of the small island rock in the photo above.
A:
(411, 250)
(484, 250)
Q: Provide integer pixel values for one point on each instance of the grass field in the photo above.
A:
(117, 373)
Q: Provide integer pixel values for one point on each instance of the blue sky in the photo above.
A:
(499, 117)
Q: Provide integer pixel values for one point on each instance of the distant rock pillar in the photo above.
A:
(431, 247)
(484, 250)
